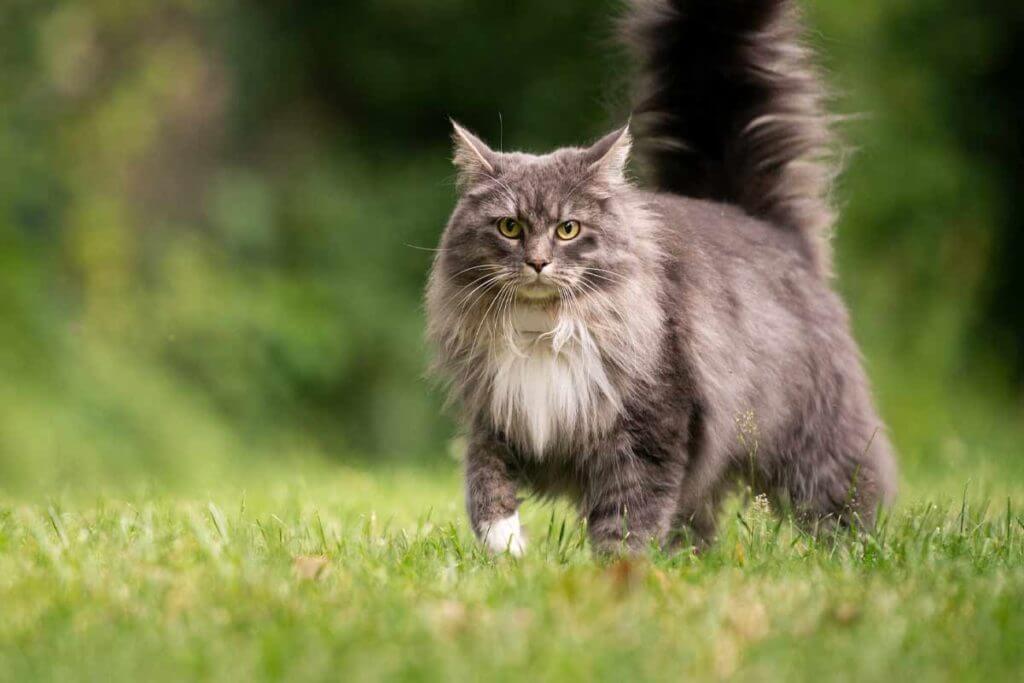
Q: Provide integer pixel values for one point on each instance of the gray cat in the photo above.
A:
(643, 350)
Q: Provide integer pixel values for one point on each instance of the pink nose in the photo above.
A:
(537, 264)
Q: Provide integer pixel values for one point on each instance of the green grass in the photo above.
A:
(345, 574)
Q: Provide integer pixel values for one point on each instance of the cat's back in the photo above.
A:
(699, 229)
(718, 252)
(747, 293)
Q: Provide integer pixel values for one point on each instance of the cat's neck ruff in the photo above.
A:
(550, 388)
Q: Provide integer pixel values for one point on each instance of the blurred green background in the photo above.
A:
(213, 215)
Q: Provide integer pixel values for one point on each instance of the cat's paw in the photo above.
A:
(505, 535)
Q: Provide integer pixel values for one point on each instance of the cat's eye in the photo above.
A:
(510, 228)
(568, 230)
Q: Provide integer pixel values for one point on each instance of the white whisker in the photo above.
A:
(488, 282)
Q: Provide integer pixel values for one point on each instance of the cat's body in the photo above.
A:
(670, 346)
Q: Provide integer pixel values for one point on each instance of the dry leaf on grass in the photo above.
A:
(310, 567)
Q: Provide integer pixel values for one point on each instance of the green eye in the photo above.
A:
(568, 230)
(510, 228)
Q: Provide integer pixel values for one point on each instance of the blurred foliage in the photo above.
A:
(215, 218)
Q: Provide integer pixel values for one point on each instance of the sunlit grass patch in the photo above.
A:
(372, 576)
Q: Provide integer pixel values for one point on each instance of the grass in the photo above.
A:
(339, 573)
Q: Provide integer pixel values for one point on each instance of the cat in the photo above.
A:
(642, 349)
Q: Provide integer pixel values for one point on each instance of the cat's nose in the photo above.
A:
(538, 264)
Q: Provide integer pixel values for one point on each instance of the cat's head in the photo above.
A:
(539, 229)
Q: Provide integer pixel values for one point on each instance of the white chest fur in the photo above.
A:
(549, 386)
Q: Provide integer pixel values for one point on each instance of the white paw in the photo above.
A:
(505, 535)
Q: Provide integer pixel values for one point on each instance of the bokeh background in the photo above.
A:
(213, 218)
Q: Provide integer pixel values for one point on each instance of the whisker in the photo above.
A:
(505, 313)
(610, 274)
(508, 190)
(601, 278)
(480, 292)
(484, 318)
(492, 266)
(473, 282)
(602, 270)
(415, 246)
(482, 289)
(509, 308)
(587, 287)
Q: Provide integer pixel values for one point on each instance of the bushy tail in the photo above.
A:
(730, 107)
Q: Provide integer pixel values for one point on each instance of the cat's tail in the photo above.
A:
(730, 107)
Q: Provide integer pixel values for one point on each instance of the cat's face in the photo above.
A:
(537, 229)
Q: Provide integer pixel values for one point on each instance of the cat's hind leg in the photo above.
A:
(841, 482)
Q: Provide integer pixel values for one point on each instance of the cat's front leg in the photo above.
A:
(491, 497)
(629, 504)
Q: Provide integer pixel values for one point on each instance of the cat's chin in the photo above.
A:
(538, 294)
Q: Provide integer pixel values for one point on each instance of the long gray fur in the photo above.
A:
(692, 340)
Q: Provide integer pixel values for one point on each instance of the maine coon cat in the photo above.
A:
(618, 343)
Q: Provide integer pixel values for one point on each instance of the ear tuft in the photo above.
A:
(472, 156)
(609, 156)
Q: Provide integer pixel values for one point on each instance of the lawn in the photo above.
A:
(218, 459)
(367, 573)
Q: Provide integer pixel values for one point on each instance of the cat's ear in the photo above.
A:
(609, 156)
(472, 157)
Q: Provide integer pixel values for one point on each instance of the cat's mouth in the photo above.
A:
(536, 288)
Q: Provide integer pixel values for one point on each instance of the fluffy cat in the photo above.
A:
(642, 350)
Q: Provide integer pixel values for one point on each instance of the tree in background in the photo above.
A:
(213, 216)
